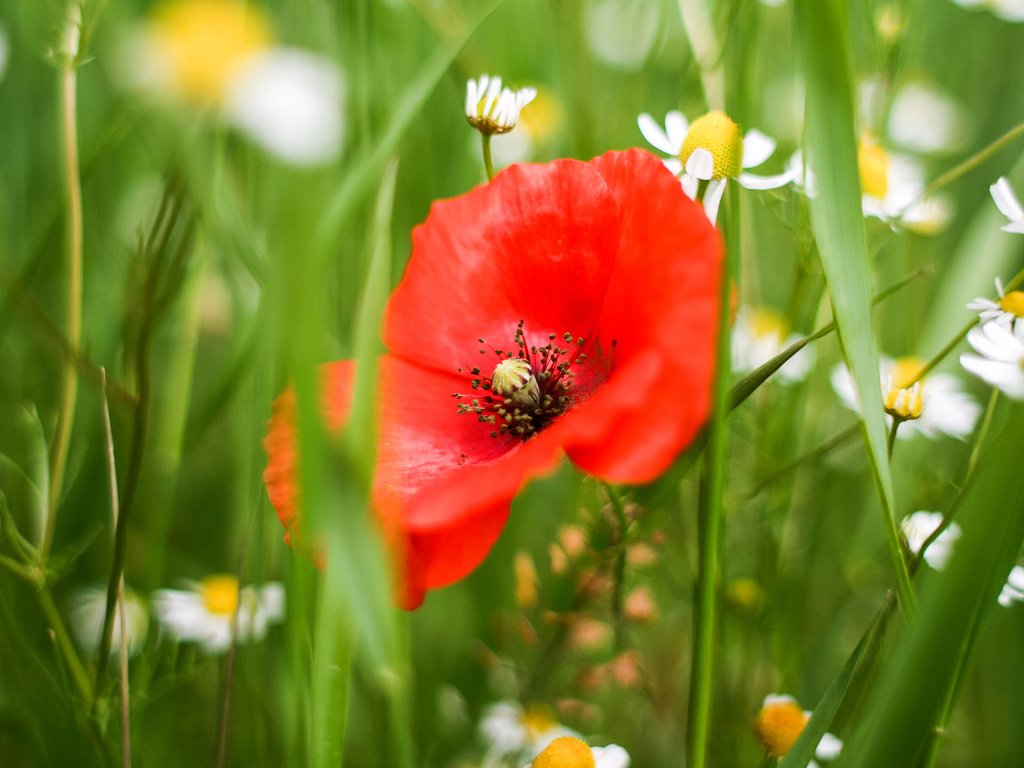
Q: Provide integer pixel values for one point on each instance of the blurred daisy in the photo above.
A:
(891, 188)
(942, 406)
(571, 752)
(1007, 10)
(919, 526)
(779, 723)
(88, 609)
(512, 731)
(208, 611)
(1013, 589)
(925, 119)
(220, 54)
(1009, 205)
(710, 152)
(1000, 358)
(1006, 310)
(621, 32)
(758, 335)
(492, 109)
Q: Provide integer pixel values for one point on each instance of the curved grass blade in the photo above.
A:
(822, 33)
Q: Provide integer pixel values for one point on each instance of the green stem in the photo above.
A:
(64, 644)
(619, 567)
(73, 192)
(485, 141)
(891, 444)
(710, 519)
(973, 161)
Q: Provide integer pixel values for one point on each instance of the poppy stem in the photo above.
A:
(485, 140)
(710, 518)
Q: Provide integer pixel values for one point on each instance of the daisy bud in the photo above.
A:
(904, 404)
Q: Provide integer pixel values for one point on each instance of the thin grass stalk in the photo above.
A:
(68, 60)
(108, 440)
(710, 517)
(972, 162)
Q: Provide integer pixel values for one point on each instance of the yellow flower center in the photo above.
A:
(565, 752)
(220, 594)
(778, 725)
(526, 580)
(873, 164)
(1013, 302)
(538, 719)
(767, 322)
(906, 371)
(718, 134)
(205, 43)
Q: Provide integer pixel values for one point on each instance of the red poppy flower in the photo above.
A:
(564, 308)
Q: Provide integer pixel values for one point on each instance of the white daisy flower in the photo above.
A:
(711, 150)
(919, 526)
(509, 730)
(209, 611)
(571, 752)
(1005, 310)
(1008, 204)
(1000, 358)
(220, 55)
(779, 723)
(88, 609)
(1013, 589)
(1007, 10)
(758, 335)
(289, 101)
(943, 407)
(492, 109)
(891, 189)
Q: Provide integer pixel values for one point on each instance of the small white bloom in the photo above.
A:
(1007, 10)
(946, 408)
(919, 526)
(760, 334)
(290, 102)
(512, 731)
(1013, 589)
(1007, 202)
(493, 109)
(1000, 358)
(779, 723)
(207, 611)
(711, 150)
(572, 751)
(1006, 310)
(88, 609)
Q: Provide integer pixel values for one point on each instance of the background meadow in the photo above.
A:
(214, 271)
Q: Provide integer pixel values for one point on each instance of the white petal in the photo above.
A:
(701, 164)
(690, 185)
(757, 147)
(290, 101)
(677, 126)
(674, 165)
(1016, 227)
(655, 135)
(1016, 578)
(1006, 201)
(753, 181)
(713, 198)
(1007, 377)
(828, 748)
(612, 756)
